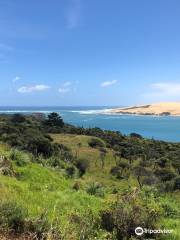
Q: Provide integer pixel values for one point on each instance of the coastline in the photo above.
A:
(156, 109)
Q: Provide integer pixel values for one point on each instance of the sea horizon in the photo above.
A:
(163, 128)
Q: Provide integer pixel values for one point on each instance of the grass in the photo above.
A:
(42, 190)
(97, 174)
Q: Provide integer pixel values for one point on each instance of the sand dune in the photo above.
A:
(164, 108)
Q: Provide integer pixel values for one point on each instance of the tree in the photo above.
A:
(18, 118)
(123, 165)
(54, 120)
(135, 135)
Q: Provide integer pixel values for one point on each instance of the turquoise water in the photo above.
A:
(162, 128)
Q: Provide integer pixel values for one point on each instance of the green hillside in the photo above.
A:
(67, 185)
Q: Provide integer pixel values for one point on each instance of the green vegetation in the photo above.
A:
(58, 181)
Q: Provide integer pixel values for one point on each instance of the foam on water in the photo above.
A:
(102, 111)
(159, 127)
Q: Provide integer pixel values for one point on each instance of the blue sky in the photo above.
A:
(89, 52)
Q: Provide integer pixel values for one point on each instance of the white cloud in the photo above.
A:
(35, 88)
(64, 90)
(108, 83)
(73, 13)
(164, 89)
(68, 87)
(16, 79)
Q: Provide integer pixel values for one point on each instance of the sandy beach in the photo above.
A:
(164, 108)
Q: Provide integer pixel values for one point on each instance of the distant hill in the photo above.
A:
(164, 108)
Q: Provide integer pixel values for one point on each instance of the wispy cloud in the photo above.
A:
(64, 90)
(68, 87)
(108, 83)
(161, 91)
(16, 79)
(164, 89)
(73, 13)
(35, 88)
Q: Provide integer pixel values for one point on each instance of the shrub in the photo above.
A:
(6, 167)
(165, 174)
(125, 215)
(86, 226)
(12, 216)
(140, 172)
(40, 145)
(76, 186)
(177, 183)
(18, 118)
(162, 162)
(40, 227)
(21, 158)
(55, 161)
(120, 171)
(169, 211)
(135, 135)
(150, 180)
(82, 165)
(96, 143)
(95, 189)
(70, 171)
(116, 171)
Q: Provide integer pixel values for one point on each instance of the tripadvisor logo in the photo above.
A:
(139, 231)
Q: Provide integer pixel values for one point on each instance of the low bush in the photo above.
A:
(12, 216)
(169, 211)
(126, 214)
(86, 225)
(116, 171)
(55, 162)
(6, 167)
(96, 143)
(177, 183)
(70, 171)
(21, 158)
(76, 186)
(165, 174)
(82, 165)
(96, 189)
(40, 227)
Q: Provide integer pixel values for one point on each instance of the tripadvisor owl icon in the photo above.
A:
(139, 231)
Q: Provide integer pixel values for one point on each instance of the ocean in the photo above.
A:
(165, 128)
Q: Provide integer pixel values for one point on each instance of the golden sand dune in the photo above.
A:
(165, 108)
